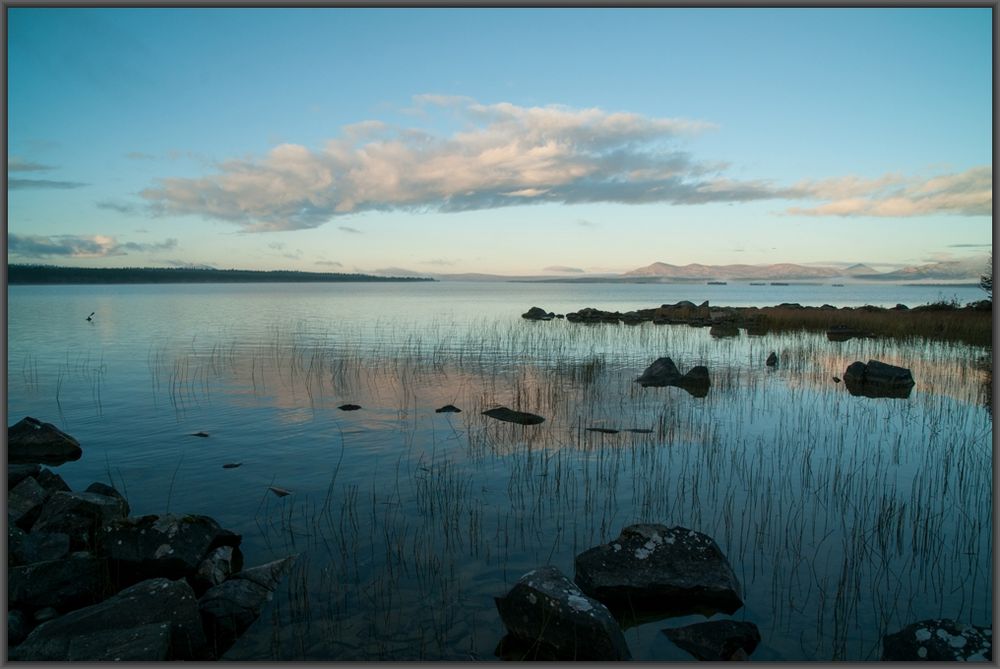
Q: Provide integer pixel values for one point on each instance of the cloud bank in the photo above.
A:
(78, 246)
(505, 155)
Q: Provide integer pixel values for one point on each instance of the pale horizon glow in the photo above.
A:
(416, 141)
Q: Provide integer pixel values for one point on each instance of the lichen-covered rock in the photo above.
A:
(716, 640)
(220, 564)
(937, 640)
(170, 546)
(546, 608)
(65, 584)
(228, 609)
(658, 568)
(114, 622)
(81, 515)
(32, 441)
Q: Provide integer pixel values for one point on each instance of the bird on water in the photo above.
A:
(91, 316)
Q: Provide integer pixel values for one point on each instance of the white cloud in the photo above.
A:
(79, 246)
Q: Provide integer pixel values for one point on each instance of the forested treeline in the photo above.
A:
(52, 274)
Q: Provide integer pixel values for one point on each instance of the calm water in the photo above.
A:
(843, 517)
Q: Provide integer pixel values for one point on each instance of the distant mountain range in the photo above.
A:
(967, 270)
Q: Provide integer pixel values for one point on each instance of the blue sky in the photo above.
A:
(515, 141)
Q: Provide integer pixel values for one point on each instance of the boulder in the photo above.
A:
(220, 564)
(64, 584)
(546, 608)
(656, 569)
(878, 379)
(511, 416)
(716, 640)
(145, 643)
(25, 501)
(115, 622)
(228, 609)
(349, 407)
(17, 473)
(772, 360)
(28, 548)
(17, 627)
(170, 546)
(663, 372)
(32, 441)
(696, 381)
(106, 490)
(448, 408)
(81, 515)
(538, 314)
(51, 481)
(939, 640)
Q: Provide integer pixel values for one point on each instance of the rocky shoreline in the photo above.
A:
(89, 582)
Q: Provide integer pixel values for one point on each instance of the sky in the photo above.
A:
(522, 141)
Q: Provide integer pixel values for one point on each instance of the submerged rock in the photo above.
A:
(659, 569)
(32, 441)
(939, 639)
(878, 379)
(717, 639)
(547, 609)
(511, 416)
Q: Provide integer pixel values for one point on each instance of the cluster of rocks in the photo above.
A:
(87, 581)
(663, 372)
(939, 640)
(651, 570)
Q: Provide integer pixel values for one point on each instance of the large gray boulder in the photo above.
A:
(81, 515)
(32, 441)
(940, 640)
(658, 569)
(228, 609)
(87, 634)
(878, 379)
(548, 610)
(170, 546)
(716, 640)
(66, 584)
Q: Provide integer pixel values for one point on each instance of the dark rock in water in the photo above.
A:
(659, 569)
(835, 379)
(17, 627)
(170, 546)
(772, 360)
(546, 608)
(17, 473)
(231, 465)
(511, 416)
(229, 608)
(538, 314)
(639, 430)
(716, 640)
(349, 407)
(32, 441)
(25, 501)
(220, 564)
(938, 640)
(663, 372)
(448, 408)
(280, 492)
(29, 548)
(81, 515)
(108, 491)
(203, 435)
(64, 584)
(602, 430)
(87, 633)
(878, 379)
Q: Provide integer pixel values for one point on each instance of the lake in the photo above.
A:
(843, 517)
